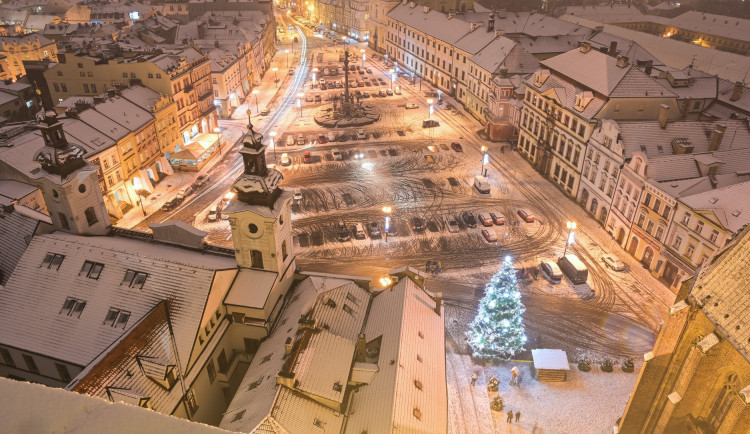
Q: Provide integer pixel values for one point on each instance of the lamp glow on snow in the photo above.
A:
(498, 331)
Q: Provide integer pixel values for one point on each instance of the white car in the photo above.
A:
(297, 194)
(285, 160)
(361, 134)
(411, 105)
(452, 223)
(613, 263)
(213, 213)
(336, 154)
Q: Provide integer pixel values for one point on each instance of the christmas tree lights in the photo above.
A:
(498, 331)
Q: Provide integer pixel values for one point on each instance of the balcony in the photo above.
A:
(237, 358)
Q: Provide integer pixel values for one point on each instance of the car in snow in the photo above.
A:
(213, 213)
(411, 106)
(374, 229)
(317, 98)
(184, 193)
(485, 220)
(369, 70)
(551, 271)
(336, 154)
(389, 92)
(430, 159)
(392, 228)
(307, 157)
(359, 231)
(430, 123)
(457, 147)
(170, 204)
(469, 219)
(265, 112)
(418, 224)
(290, 140)
(361, 135)
(397, 91)
(489, 236)
(300, 140)
(322, 138)
(382, 92)
(297, 195)
(202, 179)
(331, 136)
(451, 223)
(612, 262)
(526, 215)
(497, 218)
(365, 94)
(342, 233)
(285, 160)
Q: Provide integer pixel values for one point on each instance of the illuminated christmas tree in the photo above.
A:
(498, 331)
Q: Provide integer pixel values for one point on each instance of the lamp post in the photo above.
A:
(273, 145)
(485, 158)
(387, 211)
(571, 234)
(429, 101)
(364, 57)
(315, 70)
(287, 59)
(255, 92)
(276, 76)
(141, 202)
(440, 95)
(299, 102)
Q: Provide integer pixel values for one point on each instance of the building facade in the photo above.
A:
(16, 49)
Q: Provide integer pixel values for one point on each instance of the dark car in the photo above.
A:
(374, 229)
(457, 147)
(323, 86)
(418, 224)
(202, 179)
(430, 123)
(170, 204)
(469, 219)
(392, 228)
(322, 138)
(342, 233)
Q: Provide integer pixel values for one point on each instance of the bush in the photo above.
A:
(497, 403)
(627, 365)
(607, 365)
(493, 384)
(584, 365)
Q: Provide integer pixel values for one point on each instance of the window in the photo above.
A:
(93, 88)
(91, 216)
(52, 260)
(649, 226)
(348, 310)
(677, 241)
(191, 402)
(30, 363)
(134, 279)
(73, 306)
(124, 75)
(283, 251)
(240, 414)
(63, 87)
(211, 369)
(699, 227)
(62, 371)
(714, 235)
(686, 218)
(657, 205)
(83, 74)
(92, 270)
(690, 250)
(59, 73)
(667, 210)
(56, 87)
(7, 357)
(641, 219)
(80, 65)
(647, 199)
(158, 75)
(117, 318)
(150, 75)
(659, 233)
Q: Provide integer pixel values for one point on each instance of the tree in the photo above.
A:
(497, 331)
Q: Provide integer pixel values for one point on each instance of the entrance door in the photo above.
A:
(620, 236)
(670, 273)
(648, 256)
(633, 246)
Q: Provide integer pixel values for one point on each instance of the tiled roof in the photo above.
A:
(297, 413)
(730, 204)
(432, 23)
(324, 364)
(699, 88)
(725, 93)
(16, 230)
(721, 290)
(625, 47)
(505, 52)
(595, 70)
(719, 25)
(636, 84)
(251, 288)
(566, 93)
(611, 13)
(184, 277)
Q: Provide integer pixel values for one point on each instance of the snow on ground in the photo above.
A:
(588, 402)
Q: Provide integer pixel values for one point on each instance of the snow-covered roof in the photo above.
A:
(251, 288)
(15, 190)
(550, 359)
(141, 96)
(504, 52)
(16, 230)
(565, 91)
(595, 70)
(730, 205)
(124, 112)
(37, 289)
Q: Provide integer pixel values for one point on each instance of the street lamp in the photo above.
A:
(287, 59)
(315, 70)
(571, 235)
(391, 71)
(299, 102)
(429, 101)
(387, 211)
(276, 76)
(273, 134)
(255, 92)
(440, 95)
(485, 158)
(141, 202)
(364, 57)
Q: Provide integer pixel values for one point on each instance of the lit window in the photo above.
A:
(92, 270)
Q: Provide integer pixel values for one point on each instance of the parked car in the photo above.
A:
(497, 218)
(342, 233)
(361, 135)
(613, 263)
(576, 270)
(331, 136)
(213, 213)
(452, 223)
(359, 231)
(389, 92)
(485, 220)
(307, 157)
(489, 236)
(170, 204)
(300, 140)
(551, 271)
(418, 224)
(322, 139)
(309, 97)
(297, 195)
(526, 215)
(469, 219)
(369, 70)
(184, 192)
(457, 147)
(326, 97)
(382, 92)
(324, 86)
(411, 105)
(317, 98)
(365, 94)
(336, 154)
(374, 228)
(392, 228)
(265, 112)
(291, 71)
(202, 179)
(290, 140)
(285, 160)
(430, 123)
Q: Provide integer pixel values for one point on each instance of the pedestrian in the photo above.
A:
(474, 379)
(519, 379)
(514, 371)
(518, 416)
(510, 415)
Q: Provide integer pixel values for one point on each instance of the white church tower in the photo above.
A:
(69, 184)
(260, 218)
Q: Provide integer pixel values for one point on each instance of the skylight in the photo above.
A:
(52, 261)
(92, 270)
(117, 318)
(73, 307)
(134, 279)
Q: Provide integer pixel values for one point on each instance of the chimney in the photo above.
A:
(649, 67)
(451, 15)
(715, 141)
(288, 345)
(111, 93)
(737, 91)
(663, 114)
(613, 48)
(426, 9)
(438, 302)
(585, 47)
(499, 33)
(71, 112)
(491, 23)
(81, 105)
(503, 72)
(361, 348)
(622, 61)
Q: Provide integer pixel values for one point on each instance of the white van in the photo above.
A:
(481, 184)
(290, 140)
(213, 213)
(331, 135)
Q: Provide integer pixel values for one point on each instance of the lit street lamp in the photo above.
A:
(429, 101)
(141, 202)
(485, 158)
(391, 71)
(571, 235)
(387, 211)
(273, 134)
(364, 57)
(315, 70)
(299, 102)
(276, 76)
(255, 92)
(287, 59)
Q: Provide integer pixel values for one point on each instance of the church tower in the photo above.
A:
(69, 184)
(260, 218)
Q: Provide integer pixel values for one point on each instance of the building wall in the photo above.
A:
(47, 371)
(601, 171)
(703, 39)
(18, 49)
(651, 226)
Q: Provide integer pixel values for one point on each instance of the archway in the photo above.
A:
(150, 174)
(648, 256)
(204, 126)
(620, 236)
(633, 246)
(594, 206)
(603, 213)
(584, 197)
(137, 184)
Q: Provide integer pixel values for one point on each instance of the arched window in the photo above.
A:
(723, 401)
(283, 251)
(91, 216)
(594, 206)
(256, 257)
(63, 220)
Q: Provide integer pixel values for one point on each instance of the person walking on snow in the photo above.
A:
(474, 379)
(510, 416)
(518, 416)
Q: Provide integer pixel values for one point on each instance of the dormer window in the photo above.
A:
(117, 318)
(540, 77)
(134, 279)
(92, 270)
(73, 307)
(52, 261)
(583, 99)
